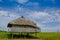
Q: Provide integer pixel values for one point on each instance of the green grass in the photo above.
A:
(42, 35)
(49, 36)
(3, 34)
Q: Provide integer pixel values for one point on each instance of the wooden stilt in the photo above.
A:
(12, 36)
(36, 33)
(23, 35)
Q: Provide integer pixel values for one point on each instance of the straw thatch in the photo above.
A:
(22, 21)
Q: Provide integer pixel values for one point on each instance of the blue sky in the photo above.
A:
(46, 13)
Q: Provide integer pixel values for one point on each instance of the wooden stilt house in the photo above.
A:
(23, 25)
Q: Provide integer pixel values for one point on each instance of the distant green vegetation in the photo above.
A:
(42, 35)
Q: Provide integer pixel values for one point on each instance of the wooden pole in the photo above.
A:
(12, 36)
(36, 33)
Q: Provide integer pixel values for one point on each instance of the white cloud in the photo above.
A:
(8, 14)
(38, 14)
(57, 14)
(23, 11)
(46, 16)
(45, 28)
(22, 1)
(3, 13)
(5, 18)
(49, 29)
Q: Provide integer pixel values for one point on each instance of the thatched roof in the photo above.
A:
(22, 21)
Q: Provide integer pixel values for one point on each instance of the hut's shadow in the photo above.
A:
(22, 36)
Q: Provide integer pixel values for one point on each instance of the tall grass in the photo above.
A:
(49, 36)
(41, 35)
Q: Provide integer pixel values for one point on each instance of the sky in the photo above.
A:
(45, 13)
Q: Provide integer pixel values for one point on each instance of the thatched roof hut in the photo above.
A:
(23, 25)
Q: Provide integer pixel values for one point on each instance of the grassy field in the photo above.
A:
(41, 36)
(49, 36)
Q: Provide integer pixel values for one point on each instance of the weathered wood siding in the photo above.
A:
(23, 29)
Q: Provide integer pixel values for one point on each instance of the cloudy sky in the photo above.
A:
(46, 13)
